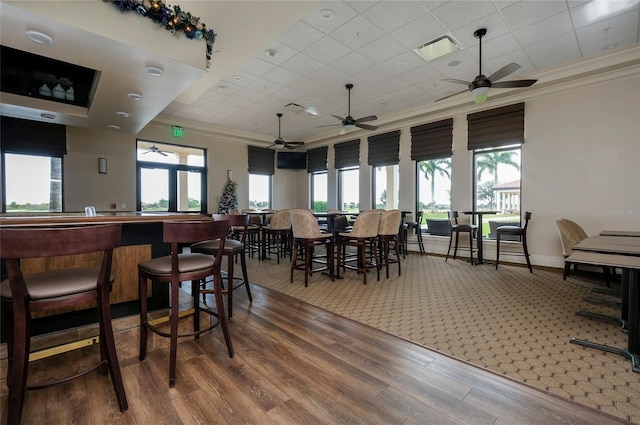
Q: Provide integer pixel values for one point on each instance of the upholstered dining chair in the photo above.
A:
(388, 229)
(363, 236)
(520, 231)
(277, 234)
(306, 237)
(457, 228)
(24, 293)
(234, 249)
(180, 267)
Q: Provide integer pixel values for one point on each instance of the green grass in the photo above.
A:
(485, 219)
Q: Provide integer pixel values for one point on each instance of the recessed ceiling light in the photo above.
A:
(155, 71)
(135, 96)
(237, 77)
(437, 48)
(113, 127)
(610, 46)
(272, 53)
(327, 14)
(39, 37)
(454, 63)
(223, 88)
(402, 64)
(48, 116)
(122, 114)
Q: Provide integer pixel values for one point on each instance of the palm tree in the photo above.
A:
(489, 162)
(429, 168)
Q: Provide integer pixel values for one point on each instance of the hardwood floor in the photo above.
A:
(297, 364)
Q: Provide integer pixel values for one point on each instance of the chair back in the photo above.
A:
(527, 217)
(419, 215)
(366, 224)
(280, 220)
(570, 234)
(237, 222)
(390, 223)
(575, 229)
(304, 225)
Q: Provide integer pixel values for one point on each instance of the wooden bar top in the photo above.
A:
(67, 219)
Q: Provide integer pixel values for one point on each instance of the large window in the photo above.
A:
(319, 193)
(41, 191)
(259, 191)
(349, 189)
(497, 182)
(433, 183)
(386, 182)
(171, 178)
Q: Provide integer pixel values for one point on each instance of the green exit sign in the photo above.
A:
(178, 131)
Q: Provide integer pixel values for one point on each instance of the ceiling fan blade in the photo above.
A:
(366, 126)
(451, 95)
(328, 125)
(162, 153)
(295, 143)
(514, 83)
(504, 71)
(456, 81)
(337, 117)
(365, 119)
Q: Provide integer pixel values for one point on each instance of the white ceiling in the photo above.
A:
(370, 44)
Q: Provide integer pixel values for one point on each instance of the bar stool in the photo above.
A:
(178, 267)
(306, 237)
(23, 294)
(388, 227)
(233, 248)
(415, 226)
(515, 231)
(456, 229)
(363, 235)
(277, 234)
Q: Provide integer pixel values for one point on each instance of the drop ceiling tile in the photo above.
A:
(456, 14)
(393, 85)
(373, 75)
(357, 32)
(257, 67)
(626, 24)
(402, 63)
(433, 4)
(250, 95)
(382, 49)
(239, 78)
(465, 58)
(595, 11)
(317, 90)
(519, 57)
(391, 15)
(302, 64)
(327, 50)
(361, 5)
(283, 52)
(494, 23)
(327, 75)
(353, 63)
(421, 73)
(408, 92)
(601, 46)
(264, 86)
(281, 76)
(287, 95)
(497, 46)
(202, 103)
(551, 60)
(227, 89)
(214, 95)
(419, 31)
(237, 102)
(524, 13)
(300, 35)
(556, 46)
(545, 29)
(341, 14)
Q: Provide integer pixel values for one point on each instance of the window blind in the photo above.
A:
(33, 137)
(496, 127)
(384, 149)
(432, 141)
(317, 159)
(261, 161)
(347, 154)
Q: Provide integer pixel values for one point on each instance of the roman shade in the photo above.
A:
(496, 127)
(317, 159)
(432, 141)
(384, 149)
(347, 154)
(261, 161)
(33, 137)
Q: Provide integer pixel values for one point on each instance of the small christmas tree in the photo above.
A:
(228, 200)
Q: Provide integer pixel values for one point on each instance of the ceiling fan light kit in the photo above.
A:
(481, 84)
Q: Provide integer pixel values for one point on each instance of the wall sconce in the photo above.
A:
(102, 165)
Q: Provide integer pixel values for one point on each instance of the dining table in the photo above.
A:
(479, 214)
(621, 252)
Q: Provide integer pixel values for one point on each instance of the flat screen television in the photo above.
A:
(292, 160)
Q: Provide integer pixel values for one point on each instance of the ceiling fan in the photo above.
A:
(279, 143)
(348, 122)
(481, 84)
(155, 149)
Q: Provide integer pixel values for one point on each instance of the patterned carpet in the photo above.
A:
(506, 320)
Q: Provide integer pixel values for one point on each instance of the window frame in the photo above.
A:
(418, 173)
(312, 188)
(340, 187)
(269, 189)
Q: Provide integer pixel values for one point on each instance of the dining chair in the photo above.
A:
(416, 228)
(180, 267)
(22, 294)
(457, 228)
(253, 238)
(234, 248)
(364, 237)
(520, 231)
(307, 236)
(388, 240)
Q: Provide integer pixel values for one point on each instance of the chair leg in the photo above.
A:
(420, 242)
(455, 248)
(497, 250)
(567, 268)
(449, 249)
(173, 344)
(526, 251)
(142, 296)
(245, 276)
(230, 273)
(20, 363)
(471, 247)
(224, 324)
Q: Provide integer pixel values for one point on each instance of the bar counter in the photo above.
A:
(141, 240)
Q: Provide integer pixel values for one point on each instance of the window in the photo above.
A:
(497, 182)
(41, 192)
(171, 178)
(349, 189)
(319, 191)
(386, 179)
(433, 184)
(259, 191)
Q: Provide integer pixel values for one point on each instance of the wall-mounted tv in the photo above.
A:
(292, 160)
